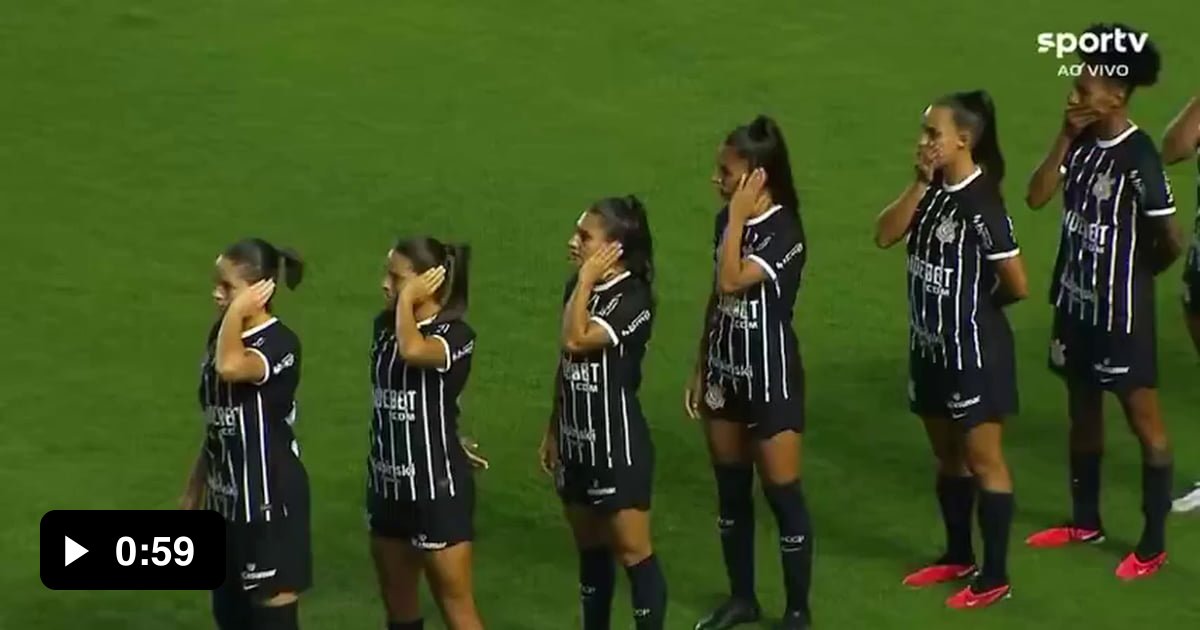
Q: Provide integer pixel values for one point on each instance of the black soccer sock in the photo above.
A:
(1156, 504)
(995, 522)
(231, 607)
(1085, 490)
(419, 624)
(735, 496)
(597, 576)
(285, 617)
(649, 594)
(956, 497)
(795, 541)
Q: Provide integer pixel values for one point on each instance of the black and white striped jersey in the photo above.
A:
(751, 349)
(1192, 270)
(600, 421)
(249, 426)
(1112, 190)
(958, 234)
(415, 452)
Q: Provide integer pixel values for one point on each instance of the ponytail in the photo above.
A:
(760, 142)
(260, 260)
(455, 294)
(291, 267)
(976, 113)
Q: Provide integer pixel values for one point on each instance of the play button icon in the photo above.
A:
(74, 551)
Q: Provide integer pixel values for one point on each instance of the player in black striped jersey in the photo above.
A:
(1118, 233)
(1181, 142)
(964, 266)
(749, 379)
(598, 441)
(249, 469)
(420, 490)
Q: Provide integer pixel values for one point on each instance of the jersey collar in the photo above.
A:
(764, 216)
(259, 328)
(964, 183)
(1112, 142)
(612, 283)
(425, 322)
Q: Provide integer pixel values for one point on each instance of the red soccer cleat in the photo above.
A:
(1132, 569)
(1063, 536)
(968, 598)
(937, 574)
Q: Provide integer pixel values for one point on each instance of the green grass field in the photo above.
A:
(138, 137)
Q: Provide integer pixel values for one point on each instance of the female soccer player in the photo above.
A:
(1181, 142)
(749, 382)
(1117, 235)
(964, 266)
(598, 441)
(249, 469)
(420, 491)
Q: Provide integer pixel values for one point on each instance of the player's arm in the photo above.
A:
(548, 450)
(1012, 285)
(893, 224)
(1183, 134)
(1157, 209)
(734, 273)
(415, 348)
(193, 491)
(1048, 176)
(234, 362)
(581, 331)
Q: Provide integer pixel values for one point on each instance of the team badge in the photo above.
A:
(715, 397)
(1102, 188)
(947, 231)
(1058, 353)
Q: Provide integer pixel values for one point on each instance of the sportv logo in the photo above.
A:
(1064, 44)
(1119, 40)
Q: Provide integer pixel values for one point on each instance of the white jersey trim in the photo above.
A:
(449, 357)
(964, 183)
(266, 366)
(766, 266)
(259, 328)
(612, 334)
(1004, 255)
(1162, 212)
(1112, 142)
(764, 216)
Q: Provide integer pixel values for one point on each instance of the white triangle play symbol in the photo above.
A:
(74, 551)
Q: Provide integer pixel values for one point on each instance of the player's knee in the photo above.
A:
(952, 464)
(987, 466)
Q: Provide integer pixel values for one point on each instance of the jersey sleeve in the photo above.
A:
(626, 316)
(994, 228)
(458, 340)
(278, 350)
(782, 250)
(1150, 183)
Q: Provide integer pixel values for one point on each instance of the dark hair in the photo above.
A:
(1143, 66)
(260, 260)
(975, 112)
(625, 221)
(426, 253)
(761, 144)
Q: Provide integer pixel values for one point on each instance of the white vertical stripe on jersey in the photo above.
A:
(931, 221)
(958, 331)
(442, 415)
(391, 426)
(1114, 251)
(428, 437)
(607, 420)
(1129, 276)
(575, 421)
(625, 419)
(975, 307)
(412, 466)
(1096, 254)
(766, 361)
(783, 360)
(228, 455)
(587, 398)
(941, 258)
(241, 413)
(262, 452)
(379, 427)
